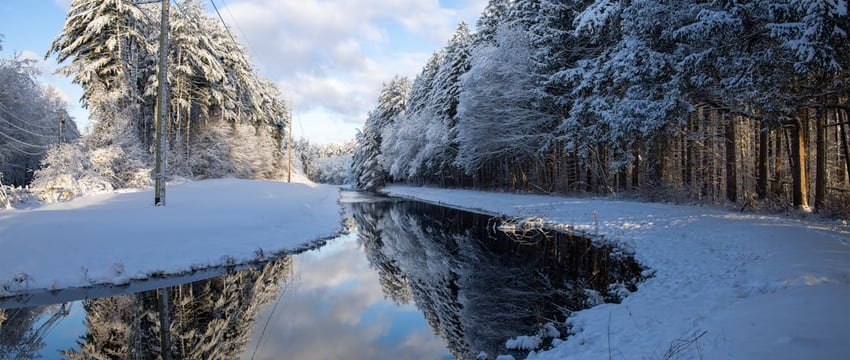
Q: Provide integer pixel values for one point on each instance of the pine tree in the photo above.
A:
(106, 42)
(368, 162)
(494, 15)
(406, 137)
(33, 117)
(367, 171)
(499, 117)
(441, 145)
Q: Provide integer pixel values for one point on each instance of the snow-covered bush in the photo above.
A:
(67, 172)
(208, 158)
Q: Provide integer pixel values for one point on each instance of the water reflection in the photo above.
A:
(478, 286)
(22, 331)
(209, 319)
(337, 311)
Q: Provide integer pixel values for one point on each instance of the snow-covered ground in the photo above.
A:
(727, 285)
(115, 237)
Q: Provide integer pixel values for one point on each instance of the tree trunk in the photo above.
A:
(820, 161)
(777, 162)
(761, 186)
(634, 182)
(845, 144)
(798, 166)
(731, 161)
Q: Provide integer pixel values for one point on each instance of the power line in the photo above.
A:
(22, 142)
(17, 117)
(22, 129)
(250, 46)
(14, 147)
(247, 44)
(224, 23)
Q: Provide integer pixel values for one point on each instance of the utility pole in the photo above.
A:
(61, 123)
(162, 109)
(289, 146)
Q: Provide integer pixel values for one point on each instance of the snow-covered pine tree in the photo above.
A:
(494, 14)
(440, 149)
(500, 126)
(368, 163)
(32, 119)
(106, 42)
(366, 171)
(405, 137)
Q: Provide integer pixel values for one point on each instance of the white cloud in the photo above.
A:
(332, 56)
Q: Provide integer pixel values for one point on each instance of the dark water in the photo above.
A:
(410, 280)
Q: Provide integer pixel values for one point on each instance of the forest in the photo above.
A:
(223, 118)
(742, 103)
(32, 119)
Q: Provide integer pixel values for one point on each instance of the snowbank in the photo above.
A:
(115, 237)
(726, 286)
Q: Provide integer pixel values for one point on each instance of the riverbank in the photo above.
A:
(726, 285)
(117, 237)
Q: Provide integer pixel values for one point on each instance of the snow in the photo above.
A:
(116, 237)
(726, 285)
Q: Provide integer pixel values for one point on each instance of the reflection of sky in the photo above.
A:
(337, 311)
(64, 333)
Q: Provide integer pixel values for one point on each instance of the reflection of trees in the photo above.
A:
(210, 319)
(393, 282)
(22, 330)
(478, 287)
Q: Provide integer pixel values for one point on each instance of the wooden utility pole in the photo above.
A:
(164, 324)
(162, 109)
(61, 124)
(289, 147)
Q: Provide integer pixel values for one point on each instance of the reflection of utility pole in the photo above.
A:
(164, 324)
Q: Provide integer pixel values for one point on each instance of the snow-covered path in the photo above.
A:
(116, 237)
(726, 285)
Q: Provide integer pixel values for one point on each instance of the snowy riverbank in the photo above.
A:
(113, 238)
(727, 285)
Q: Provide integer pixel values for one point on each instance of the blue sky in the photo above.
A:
(329, 57)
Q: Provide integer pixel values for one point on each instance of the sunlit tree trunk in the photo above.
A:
(843, 118)
(731, 160)
(820, 161)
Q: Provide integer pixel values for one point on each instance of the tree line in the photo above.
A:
(33, 118)
(724, 101)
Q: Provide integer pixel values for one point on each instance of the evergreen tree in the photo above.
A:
(405, 138)
(441, 146)
(368, 163)
(366, 168)
(110, 47)
(33, 118)
(500, 121)
(494, 15)
(106, 42)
